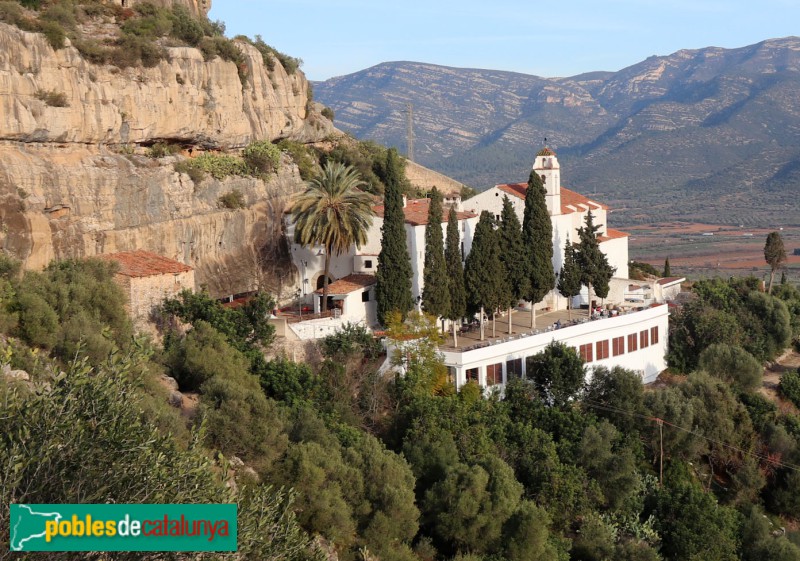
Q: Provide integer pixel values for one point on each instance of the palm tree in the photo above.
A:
(332, 212)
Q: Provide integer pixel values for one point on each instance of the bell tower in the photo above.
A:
(546, 166)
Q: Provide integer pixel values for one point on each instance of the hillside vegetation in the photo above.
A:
(335, 458)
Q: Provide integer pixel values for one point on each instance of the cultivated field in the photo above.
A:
(697, 250)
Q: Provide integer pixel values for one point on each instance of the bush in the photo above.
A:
(232, 200)
(790, 386)
(302, 157)
(54, 33)
(733, 365)
(161, 149)
(349, 341)
(53, 98)
(262, 157)
(328, 113)
(185, 27)
(270, 54)
(133, 50)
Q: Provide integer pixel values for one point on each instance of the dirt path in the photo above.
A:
(790, 360)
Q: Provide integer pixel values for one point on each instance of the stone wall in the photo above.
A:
(145, 293)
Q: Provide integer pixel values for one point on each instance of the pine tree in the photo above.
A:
(774, 255)
(593, 263)
(485, 277)
(455, 273)
(569, 279)
(393, 287)
(667, 270)
(513, 256)
(783, 277)
(435, 295)
(537, 238)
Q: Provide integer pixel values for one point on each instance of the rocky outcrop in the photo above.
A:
(184, 99)
(196, 7)
(68, 189)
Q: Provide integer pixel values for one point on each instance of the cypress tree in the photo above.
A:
(455, 273)
(513, 256)
(774, 255)
(393, 287)
(435, 296)
(593, 263)
(569, 279)
(667, 270)
(484, 273)
(537, 238)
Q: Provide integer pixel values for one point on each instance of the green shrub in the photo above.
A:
(11, 13)
(63, 14)
(232, 200)
(327, 112)
(133, 50)
(262, 157)
(54, 33)
(185, 27)
(790, 386)
(195, 173)
(302, 157)
(53, 98)
(92, 51)
(269, 55)
(351, 340)
(161, 149)
(220, 166)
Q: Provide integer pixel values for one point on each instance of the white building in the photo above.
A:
(310, 261)
(568, 211)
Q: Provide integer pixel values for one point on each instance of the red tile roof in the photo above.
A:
(348, 284)
(416, 212)
(570, 200)
(145, 264)
(669, 280)
(612, 234)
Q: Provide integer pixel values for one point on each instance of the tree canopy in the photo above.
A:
(435, 293)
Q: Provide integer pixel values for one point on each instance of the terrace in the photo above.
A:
(546, 321)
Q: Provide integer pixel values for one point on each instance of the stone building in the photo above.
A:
(147, 279)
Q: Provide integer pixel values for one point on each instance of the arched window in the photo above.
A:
(544, 178)
(321, 281)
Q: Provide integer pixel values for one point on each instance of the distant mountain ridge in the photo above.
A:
(698, 128)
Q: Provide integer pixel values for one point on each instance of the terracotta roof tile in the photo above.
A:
(570, 200)
(144, 264)
(416, 212)
(612, 234)
(669, 280)
(348, 284)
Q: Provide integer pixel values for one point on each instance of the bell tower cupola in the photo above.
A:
(546, 166)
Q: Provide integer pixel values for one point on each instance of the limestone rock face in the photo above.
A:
(186, 99)
(67, 191)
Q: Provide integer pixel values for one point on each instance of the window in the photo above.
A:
(586, 352)
(529, 362)
(654, 335)
(368, 263)
(497, 217)
(544, 178)
(644, 339)
(618, 346)
(632, 343)
(494, 374)
(365, 296)
(514, 368)
(602, 349)
(464, 226)
(472, 374)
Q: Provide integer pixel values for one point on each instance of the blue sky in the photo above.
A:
(560, 38)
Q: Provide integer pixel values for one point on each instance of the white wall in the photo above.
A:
(649, 361)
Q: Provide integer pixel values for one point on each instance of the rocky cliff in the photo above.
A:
(74, 182)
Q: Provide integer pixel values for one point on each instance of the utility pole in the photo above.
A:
(409, 111)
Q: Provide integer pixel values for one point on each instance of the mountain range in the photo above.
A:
(710, 134)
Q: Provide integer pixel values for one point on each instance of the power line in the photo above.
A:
(763, 457)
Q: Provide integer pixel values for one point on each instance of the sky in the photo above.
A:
(560, 38)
